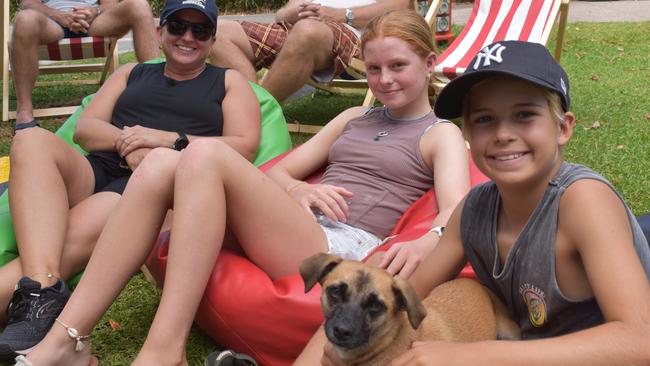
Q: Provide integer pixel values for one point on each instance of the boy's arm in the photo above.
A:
(594, 221)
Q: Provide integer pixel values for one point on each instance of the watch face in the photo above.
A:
(349, 15)
(181, 143)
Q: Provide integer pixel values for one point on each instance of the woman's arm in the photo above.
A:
(594, 222)
(94, 131)
(241, 116)
(443, 148)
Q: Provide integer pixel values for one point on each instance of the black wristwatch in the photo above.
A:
(181, 142)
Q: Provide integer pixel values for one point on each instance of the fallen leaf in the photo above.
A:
(593, 125)
(620, 147)
(647, 117)
(594, 77)
(114, 325)
(621, 49)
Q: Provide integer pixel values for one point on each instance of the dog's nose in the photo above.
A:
(342, 332)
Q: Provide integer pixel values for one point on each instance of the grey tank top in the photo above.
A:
(527, 282)
(378, 158)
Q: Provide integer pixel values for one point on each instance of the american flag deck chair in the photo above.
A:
(64, 50)
(495, 20)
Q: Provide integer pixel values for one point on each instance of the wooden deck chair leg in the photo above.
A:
(111, 60)
(564, 14)
(4, 38)
(431, 19)
(369, 100)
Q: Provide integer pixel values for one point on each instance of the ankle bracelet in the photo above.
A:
(49, 275)
(74, 334)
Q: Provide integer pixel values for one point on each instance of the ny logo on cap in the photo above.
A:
(487, 54)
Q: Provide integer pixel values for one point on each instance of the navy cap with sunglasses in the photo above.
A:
(523, 60)
(207, 7)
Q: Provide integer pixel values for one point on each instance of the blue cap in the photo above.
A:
(523, 60)
(207, 7)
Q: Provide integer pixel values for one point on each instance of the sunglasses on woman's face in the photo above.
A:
(200, 31)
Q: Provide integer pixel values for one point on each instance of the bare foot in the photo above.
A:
(58, 349)
(146, 359)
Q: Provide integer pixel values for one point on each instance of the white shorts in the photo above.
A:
(348, 242)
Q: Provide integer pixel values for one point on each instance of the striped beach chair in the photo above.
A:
(63, 50)
(495, 20)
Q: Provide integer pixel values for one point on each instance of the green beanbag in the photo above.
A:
(274, 140)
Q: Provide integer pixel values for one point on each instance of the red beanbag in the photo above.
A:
(244, 310)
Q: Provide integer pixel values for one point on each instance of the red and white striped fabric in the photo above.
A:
(496, 20)
(75, 48)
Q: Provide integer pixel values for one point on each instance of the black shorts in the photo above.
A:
(109, 177)
(67, 33)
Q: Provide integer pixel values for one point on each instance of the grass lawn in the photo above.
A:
(609, 70)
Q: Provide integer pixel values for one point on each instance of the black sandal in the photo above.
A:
(229, 358)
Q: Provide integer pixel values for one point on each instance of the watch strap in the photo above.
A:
(349, 16)
(181, 142)
(22, 126)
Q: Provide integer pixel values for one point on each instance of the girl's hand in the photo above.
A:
(136, 137)
(331, 200)
(437, 354)
(403, 258)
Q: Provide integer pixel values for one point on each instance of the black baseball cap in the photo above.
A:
(524, 60)
(207, 7)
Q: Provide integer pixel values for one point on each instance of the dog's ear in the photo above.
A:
(408, 300)
(315, 268)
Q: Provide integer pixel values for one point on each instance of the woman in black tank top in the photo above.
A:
(60, 200)
(210, 184)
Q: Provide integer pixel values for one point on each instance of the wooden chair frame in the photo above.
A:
(111, 63)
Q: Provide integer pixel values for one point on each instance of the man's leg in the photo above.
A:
(232, 49)
(308, 47)
(134, 15)
(31, 28)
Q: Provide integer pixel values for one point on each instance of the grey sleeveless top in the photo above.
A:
(378, 159)
(527, 282)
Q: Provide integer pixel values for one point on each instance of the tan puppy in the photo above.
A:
(367, 311)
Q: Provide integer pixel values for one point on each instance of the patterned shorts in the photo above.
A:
(267, 40)
(348, 242)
